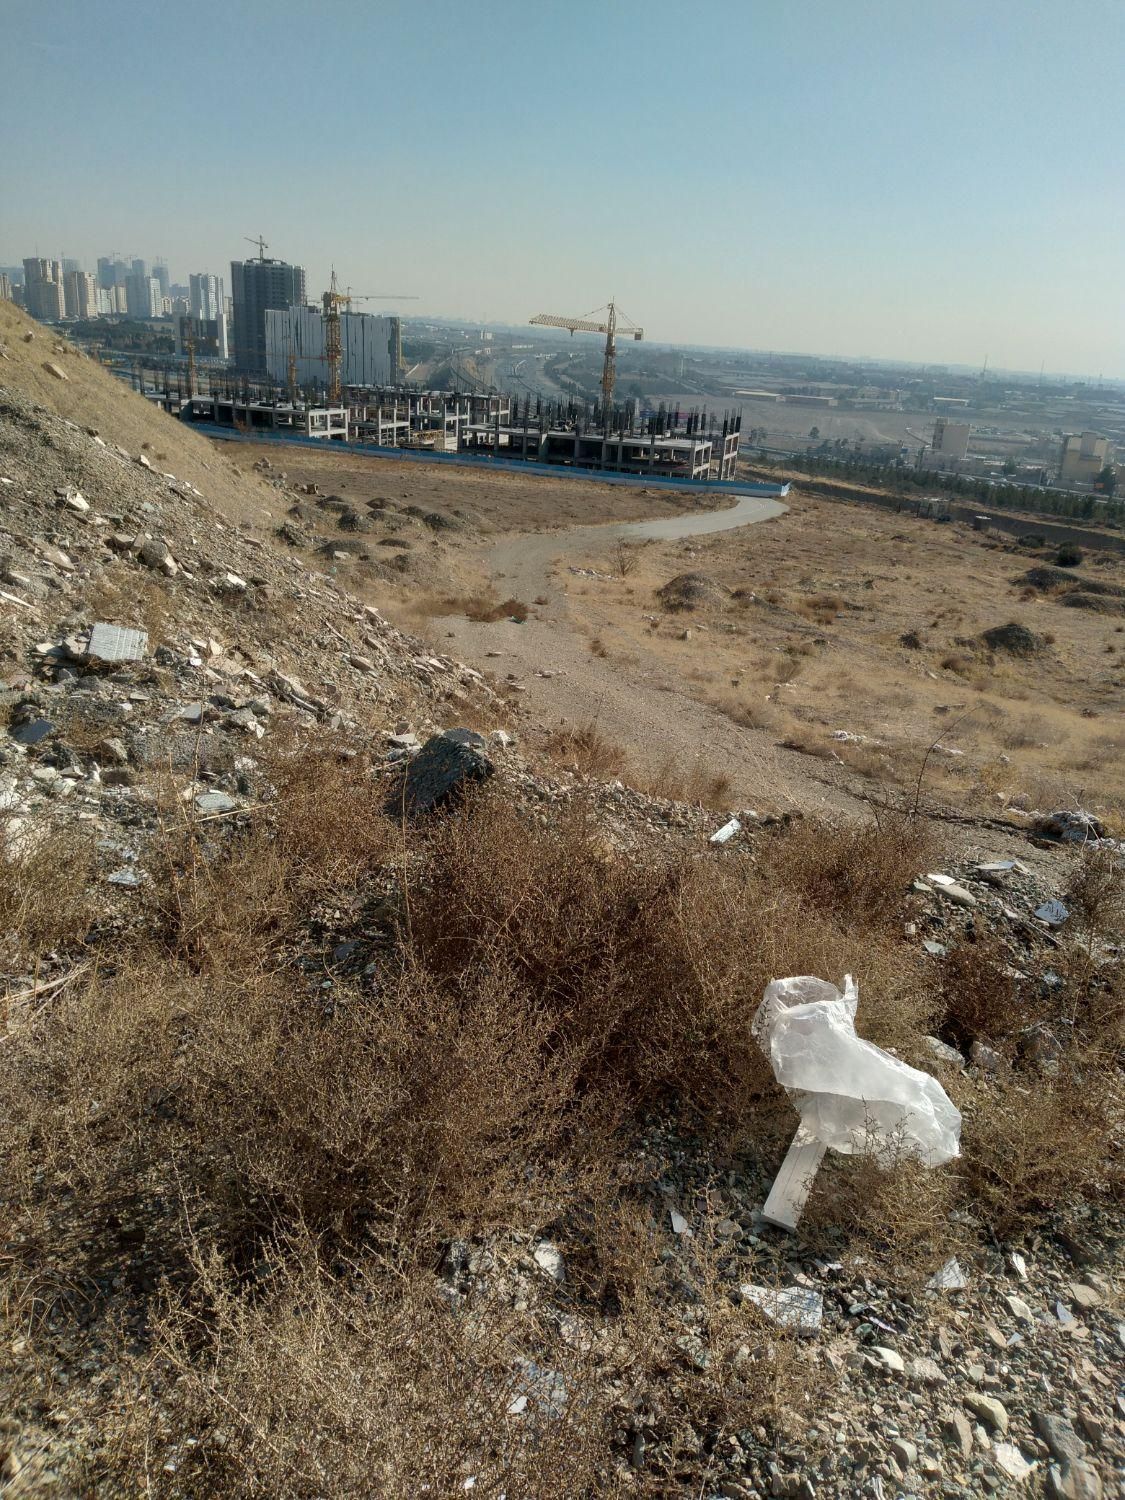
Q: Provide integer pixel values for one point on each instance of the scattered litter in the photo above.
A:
(117, 643)
(1004, 867)
(950, 1278)
(1018, 1264)
(1012, 1461)
(1054, 913)
(727, 831)
(851, 1095)
(797, 1307)
(548, 1257)
(1070, 826)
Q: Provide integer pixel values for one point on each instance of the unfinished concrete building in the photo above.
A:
(671, 453)
(370, 347)
(268, 418)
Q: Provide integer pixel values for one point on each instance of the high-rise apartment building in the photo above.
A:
(142, 295)
(139, 268)
(43, 289)
(160, 271)
(205, 296)
(112, 271)
(80, 294)
(257, 286)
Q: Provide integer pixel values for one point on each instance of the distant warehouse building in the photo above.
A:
(370, 347)
(951, 439)
(1084, 455)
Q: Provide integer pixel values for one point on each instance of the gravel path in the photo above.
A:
(637, 704)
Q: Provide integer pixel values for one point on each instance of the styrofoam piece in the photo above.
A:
(727, 831)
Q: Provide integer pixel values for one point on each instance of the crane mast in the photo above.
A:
(333, 300)
(591, 324)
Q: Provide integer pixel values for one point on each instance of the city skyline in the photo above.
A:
(924, 187)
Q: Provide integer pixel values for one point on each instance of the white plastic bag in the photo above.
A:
(851, 1095)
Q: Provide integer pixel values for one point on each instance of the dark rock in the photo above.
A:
(1060, 1436)
(33, 732)
(440, 772)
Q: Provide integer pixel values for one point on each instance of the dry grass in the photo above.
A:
(44, 898)
(584, 748)
(295, 1154)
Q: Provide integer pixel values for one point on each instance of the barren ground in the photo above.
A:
(831, 620)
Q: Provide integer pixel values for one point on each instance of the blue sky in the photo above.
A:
(905, 180)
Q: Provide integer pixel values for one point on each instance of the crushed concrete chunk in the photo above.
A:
(798, 1308)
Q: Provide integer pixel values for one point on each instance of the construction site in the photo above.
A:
(335, 374)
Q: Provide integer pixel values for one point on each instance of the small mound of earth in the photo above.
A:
(692, 591)
(1102, 604)
(1015, 639)
(1044, 577)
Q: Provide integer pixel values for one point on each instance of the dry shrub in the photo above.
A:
(358, 1384)
(673, 781)
(894, 1212)
(399, 1115)
(1095, 891)
(323, 834)
(44, 897)
(586, 749)
(653, 973)
(823, 608)
(979, 998)
(857, 872)
(1033, 1145)
(134, 596)
(328, 815)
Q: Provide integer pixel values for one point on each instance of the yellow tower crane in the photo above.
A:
(609, 325)
(334, 299)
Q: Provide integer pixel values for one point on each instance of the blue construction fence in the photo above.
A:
(265, 438)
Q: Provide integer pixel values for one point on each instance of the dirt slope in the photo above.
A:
(93, 397)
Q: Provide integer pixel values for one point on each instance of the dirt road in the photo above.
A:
(634, 699)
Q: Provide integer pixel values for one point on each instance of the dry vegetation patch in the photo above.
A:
(303, 1190)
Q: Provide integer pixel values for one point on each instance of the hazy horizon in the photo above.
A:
(933, 186)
